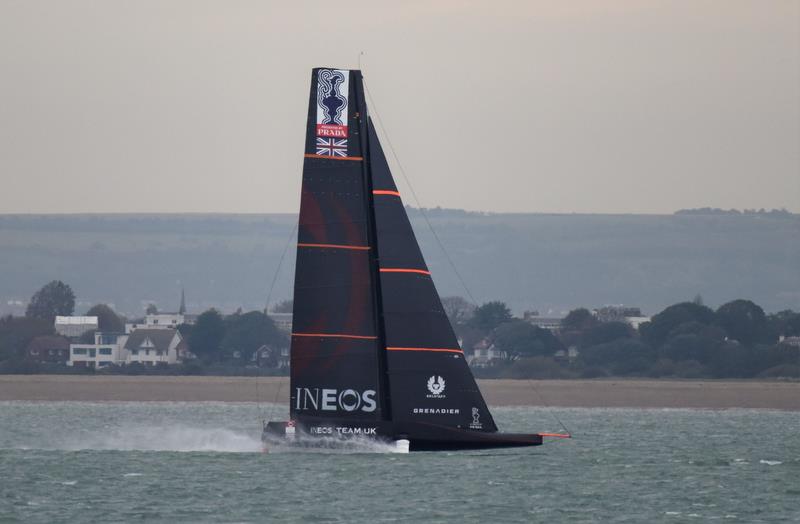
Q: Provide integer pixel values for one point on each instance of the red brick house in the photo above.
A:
(51, 349)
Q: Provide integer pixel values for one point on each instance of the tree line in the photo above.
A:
(687, 340)
(222, 344)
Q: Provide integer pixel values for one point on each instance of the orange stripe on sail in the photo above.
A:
(401, 270)
(442, 350)
(326, 157)
(333, 246)
(385, 192)
(334, 335)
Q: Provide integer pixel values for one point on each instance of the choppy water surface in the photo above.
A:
(200, 462)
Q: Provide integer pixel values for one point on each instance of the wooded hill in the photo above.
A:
(551, 263)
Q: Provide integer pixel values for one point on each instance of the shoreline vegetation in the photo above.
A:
(687, 340)
(589, 393)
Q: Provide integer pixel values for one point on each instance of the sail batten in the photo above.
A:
(334, 335)
(442, 350)
(326, 157)
(333, 246)
(404, 270)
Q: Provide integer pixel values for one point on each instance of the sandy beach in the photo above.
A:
(715, 394)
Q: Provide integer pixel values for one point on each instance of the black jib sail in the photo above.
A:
(429, 378)
(372, 349)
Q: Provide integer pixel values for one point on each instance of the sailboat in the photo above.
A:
(373, 354)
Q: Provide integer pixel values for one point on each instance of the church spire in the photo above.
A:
(182, 309)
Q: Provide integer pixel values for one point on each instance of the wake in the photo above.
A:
(335, 445)
(176, 438)
(181, 438)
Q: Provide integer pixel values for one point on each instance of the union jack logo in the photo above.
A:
(332, 146)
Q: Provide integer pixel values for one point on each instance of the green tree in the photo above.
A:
(733, 360)
(686, 347)
(468, 335)
(107, 319)
(605, 332)
(657, 330)
(692, 341)
(777, 356)
(744, 321)
(578, 319)
(784, 323)
(17, 332)
(54, 299)
(624, 356)
(490, 315)
(521, 339)
(151, 310)
(206, 335)
(458, 309)
(247, 332)
(284, 306)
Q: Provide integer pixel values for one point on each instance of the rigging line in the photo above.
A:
(544, 402)
(250, 264)
(414, 194)
(280, 263)
(266, 312)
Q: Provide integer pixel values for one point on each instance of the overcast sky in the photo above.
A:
(597, 107)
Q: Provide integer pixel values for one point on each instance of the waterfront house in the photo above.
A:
(152, 347)
(485, 354)
(49, 349)
(149, 347)
(74, 326)
(106, 350)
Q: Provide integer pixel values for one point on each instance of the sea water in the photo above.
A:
(202, 462)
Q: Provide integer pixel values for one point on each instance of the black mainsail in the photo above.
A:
(335, 340)
(372, 351)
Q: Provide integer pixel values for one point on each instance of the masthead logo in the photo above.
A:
(332, 90)
(436, 387)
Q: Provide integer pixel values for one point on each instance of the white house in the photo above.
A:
(619, 313)
(74, 326)
(549, 323)
(162, 321)
(485, 354)
(789, 341)
(635, 322)
(268, 356)
(283, 321)
(149, 347)
(153, 346)
(106, 350)
(570, 354)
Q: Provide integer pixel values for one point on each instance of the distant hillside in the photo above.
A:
(532, 261)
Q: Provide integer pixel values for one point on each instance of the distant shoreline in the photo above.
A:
(600, 393)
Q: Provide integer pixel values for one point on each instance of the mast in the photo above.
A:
(383, 373)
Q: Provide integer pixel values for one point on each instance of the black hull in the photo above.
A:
(321, 433)
(497, 440)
